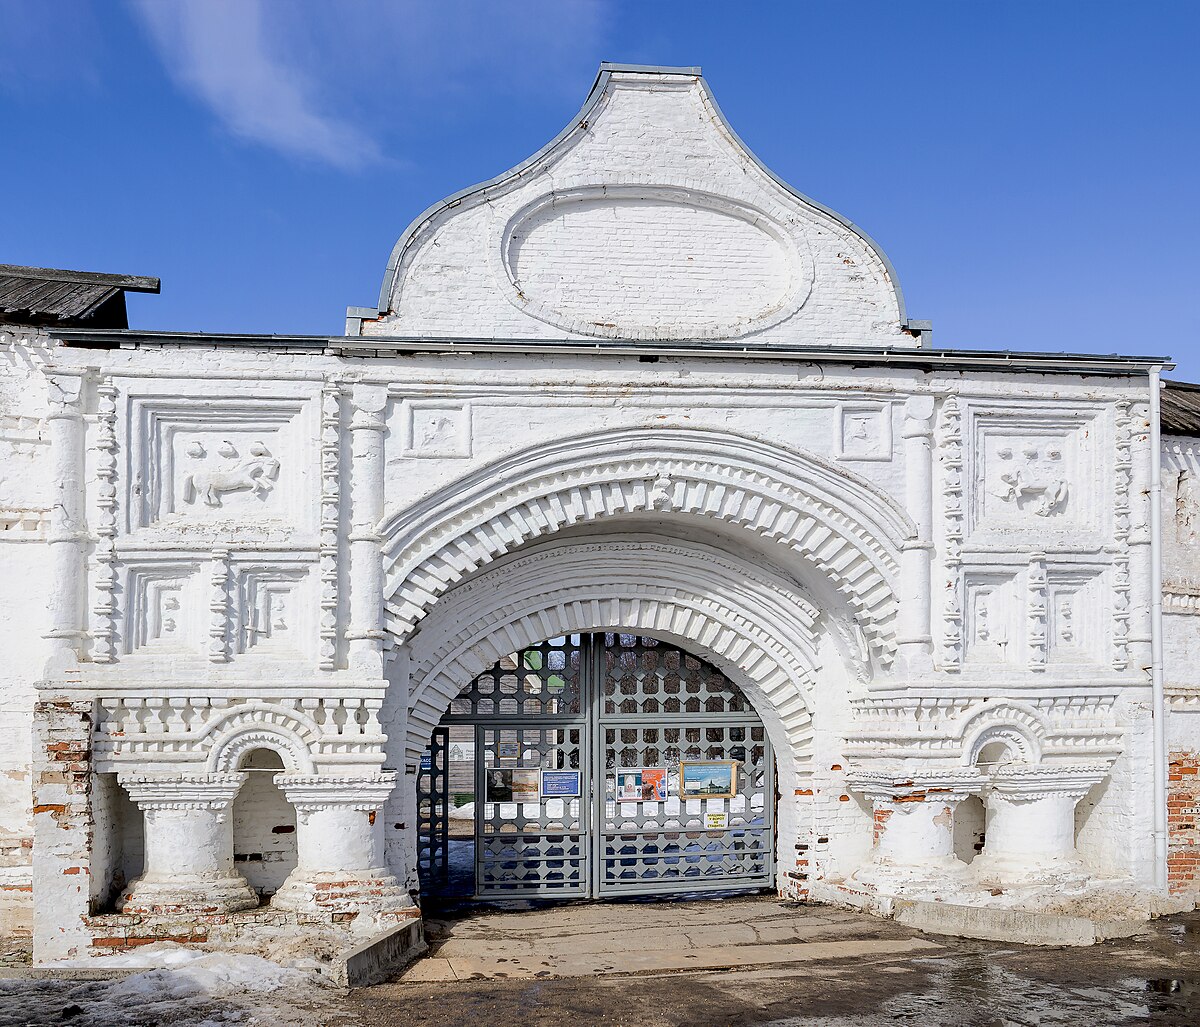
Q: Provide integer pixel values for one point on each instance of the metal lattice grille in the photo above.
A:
(599, 704)
(432, 809)
(542, 680)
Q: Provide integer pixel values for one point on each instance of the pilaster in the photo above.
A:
(67, 538)
(914, 635)
(365, 633)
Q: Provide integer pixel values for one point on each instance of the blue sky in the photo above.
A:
(1029, 167)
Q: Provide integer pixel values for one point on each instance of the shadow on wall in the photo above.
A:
(264, 825)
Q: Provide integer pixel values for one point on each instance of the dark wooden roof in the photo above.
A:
(1180, 408)
(66, 299)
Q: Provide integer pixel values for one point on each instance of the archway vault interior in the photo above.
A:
(750, 620)
(759, 628)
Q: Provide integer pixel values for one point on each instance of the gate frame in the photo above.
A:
(592, 724)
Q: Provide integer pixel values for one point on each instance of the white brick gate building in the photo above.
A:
(636, 384)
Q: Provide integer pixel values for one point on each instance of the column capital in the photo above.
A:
(161, 791)
(918, 417)
(309, 792)
(1031, 783)
(66, 391)
(951, 785)
(368, 403)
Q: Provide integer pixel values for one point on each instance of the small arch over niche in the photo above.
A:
(264, 823)
(261, 725)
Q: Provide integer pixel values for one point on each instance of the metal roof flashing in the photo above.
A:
(995, 361)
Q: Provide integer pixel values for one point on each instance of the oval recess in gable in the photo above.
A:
(652, 262)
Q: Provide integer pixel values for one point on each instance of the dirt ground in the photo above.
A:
(732, 964)
(811, 967)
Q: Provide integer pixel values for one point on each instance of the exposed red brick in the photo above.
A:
(1183, 820)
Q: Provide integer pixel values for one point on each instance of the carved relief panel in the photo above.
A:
(273, 610)
(1033, 474)
(221, 463)
(864, 431)
(993, 624)
(1076, 630)
(163, 607)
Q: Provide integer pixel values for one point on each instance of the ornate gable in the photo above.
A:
(647, 218)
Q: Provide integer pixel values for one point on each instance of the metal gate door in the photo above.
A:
(609, 764)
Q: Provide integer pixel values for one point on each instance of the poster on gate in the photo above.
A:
(642, 784)
(563, 783)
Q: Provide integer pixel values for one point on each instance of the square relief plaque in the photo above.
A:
(437, 429)
(1034, 475)
(864, 431)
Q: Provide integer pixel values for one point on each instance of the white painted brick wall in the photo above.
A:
(264, 833)
(644, 266)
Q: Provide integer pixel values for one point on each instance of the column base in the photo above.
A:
(180, 894)
(1017, 871)
(344, 894)
(896, 878)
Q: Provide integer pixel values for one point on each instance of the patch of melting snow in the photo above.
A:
(181, 987)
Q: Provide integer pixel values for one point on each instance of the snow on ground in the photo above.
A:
(183, 988)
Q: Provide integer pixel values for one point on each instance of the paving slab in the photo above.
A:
(606, 940)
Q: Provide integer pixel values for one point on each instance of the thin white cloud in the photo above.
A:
(219, 51)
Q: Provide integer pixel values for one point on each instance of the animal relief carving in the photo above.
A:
(256, 474)
(1031, 478)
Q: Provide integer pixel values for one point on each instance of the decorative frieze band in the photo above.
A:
(104, 580)
(951, 455)
(331, 494)
(1035, 611)
(218, 606)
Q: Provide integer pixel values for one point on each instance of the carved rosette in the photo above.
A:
(331, 413)
(218, 606)
(104, 593)
(951, 455)
(1035, 611)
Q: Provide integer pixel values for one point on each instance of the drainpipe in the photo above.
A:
(1156, 636)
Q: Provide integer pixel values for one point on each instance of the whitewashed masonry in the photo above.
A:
(637, 382)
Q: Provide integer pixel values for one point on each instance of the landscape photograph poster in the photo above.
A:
(526, 785)
(708, 780)
(513, 785)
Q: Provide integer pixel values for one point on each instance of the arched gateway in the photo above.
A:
(598, 764)
(640, 488)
